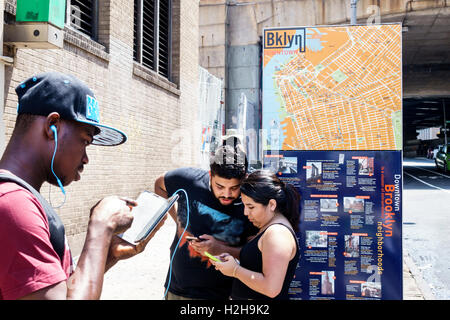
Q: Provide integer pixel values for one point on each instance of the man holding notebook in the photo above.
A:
(58, 117)
(216, 223)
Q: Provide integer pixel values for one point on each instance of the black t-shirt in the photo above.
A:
(193, 276)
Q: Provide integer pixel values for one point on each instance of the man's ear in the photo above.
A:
(52, 123)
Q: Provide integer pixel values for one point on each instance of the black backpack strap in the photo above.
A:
(57, 233)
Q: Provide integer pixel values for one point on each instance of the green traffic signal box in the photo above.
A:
(51, 11)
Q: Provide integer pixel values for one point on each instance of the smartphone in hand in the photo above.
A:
(190, 238)
(210, 256)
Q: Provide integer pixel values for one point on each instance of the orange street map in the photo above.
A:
(333, 88)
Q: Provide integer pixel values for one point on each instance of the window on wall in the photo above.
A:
(84, 16)
(152, 35)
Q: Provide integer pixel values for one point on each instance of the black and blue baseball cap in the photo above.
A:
(72, 99)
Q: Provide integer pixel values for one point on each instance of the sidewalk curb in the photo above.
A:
(423, 287)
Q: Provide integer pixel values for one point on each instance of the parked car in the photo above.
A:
(442, 159)
(436, 149)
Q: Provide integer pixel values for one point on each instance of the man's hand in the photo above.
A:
(114, 212)
(121, 249)
(208, 243)
(109, 216)
(214, 246)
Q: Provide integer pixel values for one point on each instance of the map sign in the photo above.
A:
(333, 88)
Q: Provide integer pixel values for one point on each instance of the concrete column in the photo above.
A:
(242, 62)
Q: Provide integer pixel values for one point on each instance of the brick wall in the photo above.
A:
(158, 115)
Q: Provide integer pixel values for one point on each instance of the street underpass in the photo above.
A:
(424, 113)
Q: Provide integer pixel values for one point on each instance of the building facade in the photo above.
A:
(140, 58)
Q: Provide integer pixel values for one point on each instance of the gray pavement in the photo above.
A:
(142, 277)
(426, 231)
(414, 286)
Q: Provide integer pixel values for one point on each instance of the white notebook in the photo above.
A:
(147, 214)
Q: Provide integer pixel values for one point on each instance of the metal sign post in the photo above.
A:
(353, 7)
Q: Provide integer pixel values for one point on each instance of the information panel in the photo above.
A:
(351, 222)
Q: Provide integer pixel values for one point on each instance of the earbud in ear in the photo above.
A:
(53, 128)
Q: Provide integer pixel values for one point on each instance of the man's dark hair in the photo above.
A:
(24, 122)
(229, 162)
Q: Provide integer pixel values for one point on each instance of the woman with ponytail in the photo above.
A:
(268, 261)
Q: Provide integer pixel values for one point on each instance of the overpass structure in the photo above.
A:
(230, 47)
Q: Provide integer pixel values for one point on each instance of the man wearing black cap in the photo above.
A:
(58, 117)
